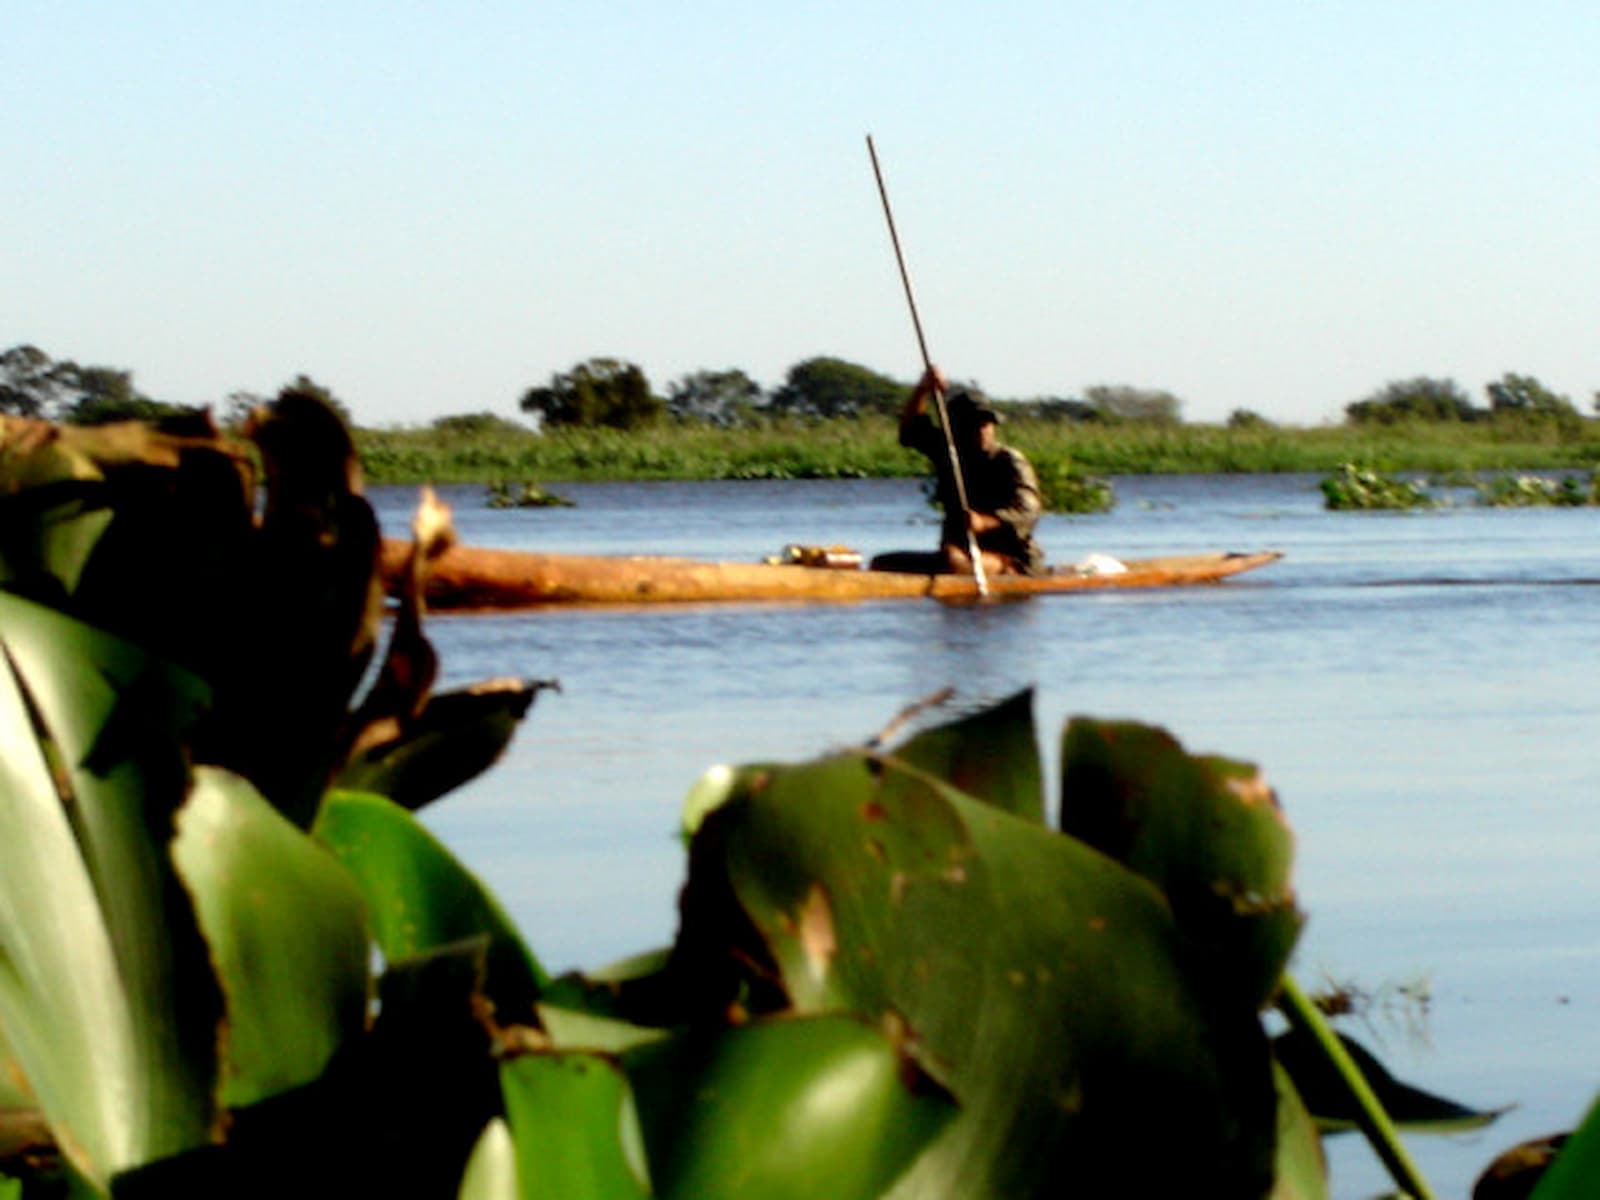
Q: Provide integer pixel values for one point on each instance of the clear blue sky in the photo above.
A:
(428, 208)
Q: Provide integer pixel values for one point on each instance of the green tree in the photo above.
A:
(723, 398)
(107, 394)
(1418, 399)
(832, 387)
(1248, 418)
(1125, 404)
(238, 406)
(1054, 408)
(1522, 397)
(599, 391)
(32, 384)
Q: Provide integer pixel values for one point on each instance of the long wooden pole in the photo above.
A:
(938, 392)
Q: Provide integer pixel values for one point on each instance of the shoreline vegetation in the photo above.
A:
(491, 449)
(603, 420)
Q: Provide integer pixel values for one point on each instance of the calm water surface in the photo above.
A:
(1418, 687)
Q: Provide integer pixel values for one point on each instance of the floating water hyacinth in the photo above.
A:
(1358, 488)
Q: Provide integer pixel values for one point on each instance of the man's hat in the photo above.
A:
(969, 409)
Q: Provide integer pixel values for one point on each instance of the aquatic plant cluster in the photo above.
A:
(1355, 488)
(1066, 489)
(1540, 491)
(238, 964)
(502, 493)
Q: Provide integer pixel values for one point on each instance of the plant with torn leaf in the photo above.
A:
(893, 976)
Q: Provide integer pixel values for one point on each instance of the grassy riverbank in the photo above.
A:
(866, 447)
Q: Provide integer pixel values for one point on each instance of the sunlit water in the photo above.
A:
(1418, 687)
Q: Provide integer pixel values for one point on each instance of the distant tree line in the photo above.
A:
(611, 392)
(1424, 399)
(32, 384)
(614, 393)
(608, 391)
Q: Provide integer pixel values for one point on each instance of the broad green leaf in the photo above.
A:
(491, 1172)
(783, 1109)
(107, 1000)
(1019, 960)
(1301, 1169)
(575, 1029)
(287, 931)
(53, 509)
(421, 898)
(1572, 1176)
(458, 736)
(631, 969)
(992, 755)
(14, 1090)
(47, 535)
(1207, 831)
(1328, 1098)
(576, 1132)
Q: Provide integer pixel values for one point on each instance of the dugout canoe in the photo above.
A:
(470, 577)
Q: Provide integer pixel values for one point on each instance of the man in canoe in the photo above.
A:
(1002, 491)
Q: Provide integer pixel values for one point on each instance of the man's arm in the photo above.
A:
(911, 414)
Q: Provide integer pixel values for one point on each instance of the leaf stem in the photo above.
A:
(1370, 1114)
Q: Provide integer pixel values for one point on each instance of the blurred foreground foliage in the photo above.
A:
(237, 964)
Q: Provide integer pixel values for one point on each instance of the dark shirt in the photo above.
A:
(1000, 482)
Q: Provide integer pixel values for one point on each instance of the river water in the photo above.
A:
(1419, 688)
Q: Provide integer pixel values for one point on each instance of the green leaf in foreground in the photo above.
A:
(1577, 1164)
(287, 932)
(1018, 960)
(421, 898)
(573, 1123)
(991, 755)
(491, 1172)
(107, 1001)
(47, 534)
(1302, 1170)
(1205, 830)
(783, 1109)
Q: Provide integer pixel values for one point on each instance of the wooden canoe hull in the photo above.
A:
(469, 577)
